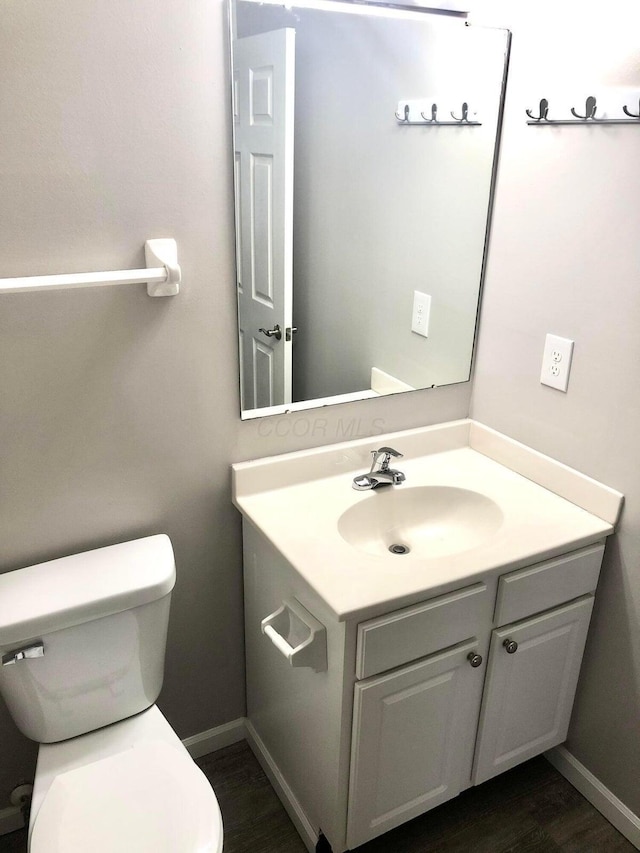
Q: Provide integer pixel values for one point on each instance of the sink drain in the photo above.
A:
(399, 549)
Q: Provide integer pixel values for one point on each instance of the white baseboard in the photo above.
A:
(615, 811)
(307, 832)
(217, 738)
(11, 819)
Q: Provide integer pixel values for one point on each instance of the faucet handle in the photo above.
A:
(390, 451)
(386, 453)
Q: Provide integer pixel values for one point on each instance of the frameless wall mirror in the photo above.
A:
(365, 140)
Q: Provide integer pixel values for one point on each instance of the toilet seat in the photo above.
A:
(150, 798)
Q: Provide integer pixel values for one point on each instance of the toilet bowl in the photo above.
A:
(131, 786)
(82, 644)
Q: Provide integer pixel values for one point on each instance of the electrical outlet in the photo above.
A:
(421, 313)
(556, 362)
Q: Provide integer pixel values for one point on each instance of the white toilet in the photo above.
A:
(82, 642)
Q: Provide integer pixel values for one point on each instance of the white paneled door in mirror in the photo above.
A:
(263, 111)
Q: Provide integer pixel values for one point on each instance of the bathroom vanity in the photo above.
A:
(383, 682)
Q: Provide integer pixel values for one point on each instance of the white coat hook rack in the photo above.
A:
(162, 274)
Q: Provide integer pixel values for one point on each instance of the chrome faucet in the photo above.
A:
(384, 476)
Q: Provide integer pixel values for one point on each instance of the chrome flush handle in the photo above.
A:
(35, 650)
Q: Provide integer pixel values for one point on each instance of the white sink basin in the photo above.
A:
(423, 521)
(474, 502)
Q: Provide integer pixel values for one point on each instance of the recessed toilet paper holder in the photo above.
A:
(297, 635)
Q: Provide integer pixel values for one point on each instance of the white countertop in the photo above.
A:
(299, 511)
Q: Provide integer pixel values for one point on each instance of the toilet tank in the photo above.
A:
(82, 638)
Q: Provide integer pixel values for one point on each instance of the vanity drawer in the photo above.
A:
(414, 632)
(545, 585)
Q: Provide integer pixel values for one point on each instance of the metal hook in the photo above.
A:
(544, 111)
(628, 112)
(590, 107)
(434, 112)
(406, 114)
(465, 113)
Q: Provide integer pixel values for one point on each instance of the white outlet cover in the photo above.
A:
(556, 362)
(421, 313)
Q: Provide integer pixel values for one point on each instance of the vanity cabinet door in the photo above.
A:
(413, 736)
(531, 682)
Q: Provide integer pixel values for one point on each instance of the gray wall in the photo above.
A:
(119, 413)
(564, 258)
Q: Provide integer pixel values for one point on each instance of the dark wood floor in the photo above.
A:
(531, 809)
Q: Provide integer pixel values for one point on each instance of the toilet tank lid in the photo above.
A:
(71, 590)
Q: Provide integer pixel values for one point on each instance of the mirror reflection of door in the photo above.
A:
(264, 114)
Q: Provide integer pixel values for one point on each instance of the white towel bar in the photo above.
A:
(162, 274)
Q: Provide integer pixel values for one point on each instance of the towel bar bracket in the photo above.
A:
(163, 252)
(162, 274)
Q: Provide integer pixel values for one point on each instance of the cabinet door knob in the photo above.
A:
(511, 646)
(474, 659)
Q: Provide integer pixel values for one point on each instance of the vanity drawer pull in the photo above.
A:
(474, 659)
(511, 647)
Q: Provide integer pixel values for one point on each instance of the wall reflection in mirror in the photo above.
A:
(364, 149)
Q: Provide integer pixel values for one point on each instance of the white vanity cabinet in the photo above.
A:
(419, 729)
(417, 704)
(378, 680)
